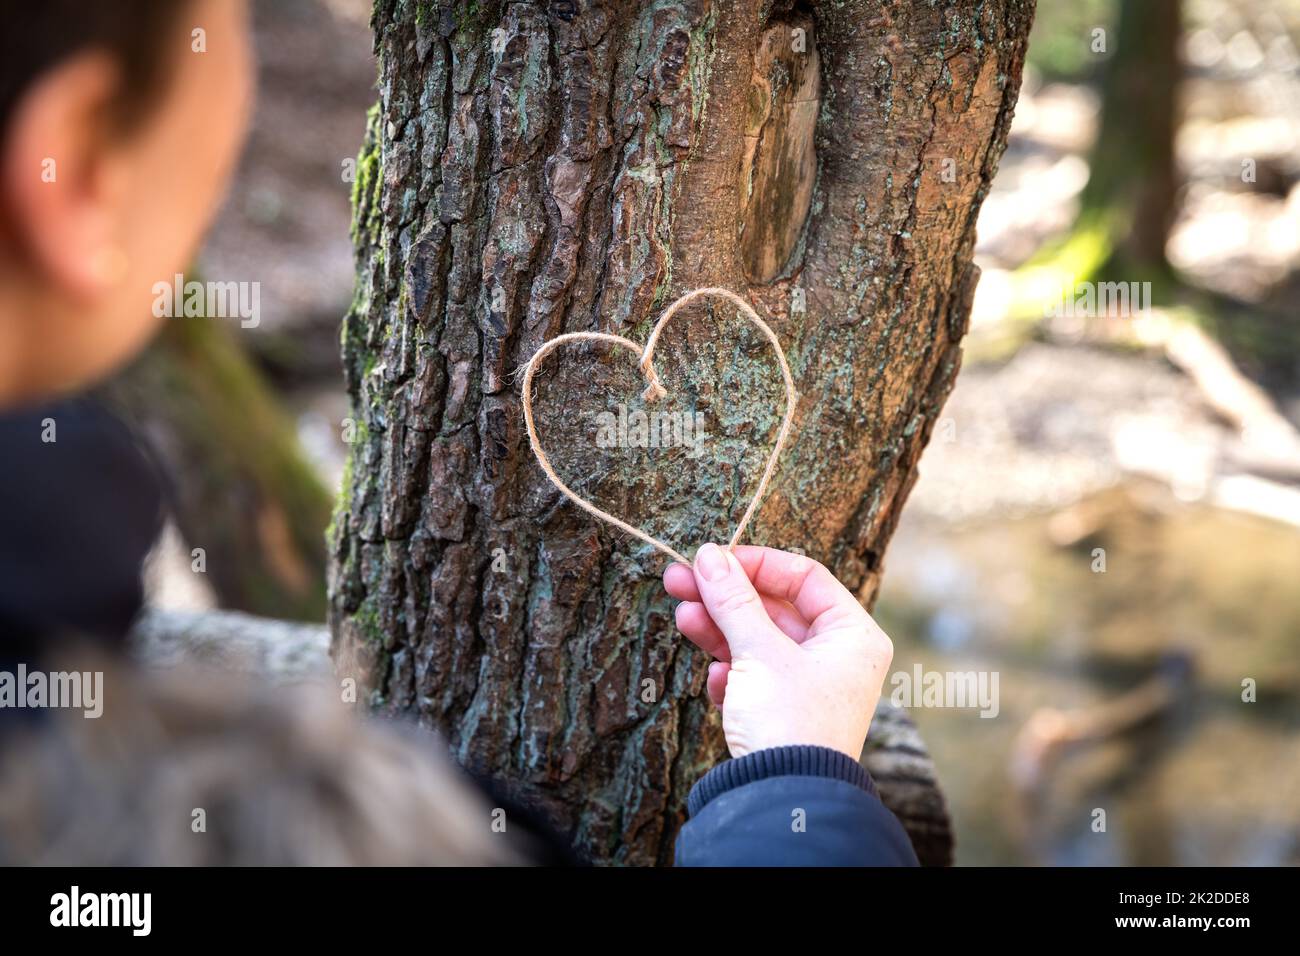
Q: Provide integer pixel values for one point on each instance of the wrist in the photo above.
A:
(784, 741)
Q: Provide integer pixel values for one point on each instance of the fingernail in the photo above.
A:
(711, 563)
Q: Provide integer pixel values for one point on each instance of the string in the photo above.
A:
(654, 390)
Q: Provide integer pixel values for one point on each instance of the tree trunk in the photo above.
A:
(532, 170)
(1132, 189)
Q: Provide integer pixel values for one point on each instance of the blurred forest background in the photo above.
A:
(1109, 511)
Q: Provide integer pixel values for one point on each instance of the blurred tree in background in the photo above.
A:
(240, 488)
(1130, 200)
(1129, 203)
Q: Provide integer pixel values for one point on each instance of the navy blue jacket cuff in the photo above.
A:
(802, 760)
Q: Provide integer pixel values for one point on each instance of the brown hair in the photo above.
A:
(36, 36)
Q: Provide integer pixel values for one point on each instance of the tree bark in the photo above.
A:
(536, 169)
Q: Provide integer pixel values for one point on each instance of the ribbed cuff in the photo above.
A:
(802, 760)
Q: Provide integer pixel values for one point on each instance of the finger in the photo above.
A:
(784, 616)
(696, 625)
(732, 602)
(679, 582)
(716, 683)
(813, 591)
(694, 622)
(804, 583)
(679, 579)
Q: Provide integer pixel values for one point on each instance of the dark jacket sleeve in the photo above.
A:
(790, 806)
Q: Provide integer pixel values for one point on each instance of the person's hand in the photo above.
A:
(799, 660)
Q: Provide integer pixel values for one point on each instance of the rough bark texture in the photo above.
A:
(535, 169)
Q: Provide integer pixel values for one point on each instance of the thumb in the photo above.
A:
(732, 602)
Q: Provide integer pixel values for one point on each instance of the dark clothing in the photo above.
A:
(80, 507)
(790, 806)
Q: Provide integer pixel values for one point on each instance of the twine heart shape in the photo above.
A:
(654, 390)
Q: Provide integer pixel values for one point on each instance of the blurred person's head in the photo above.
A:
(207, 768)
(119, 125)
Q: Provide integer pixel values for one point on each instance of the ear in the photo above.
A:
(62, 184)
